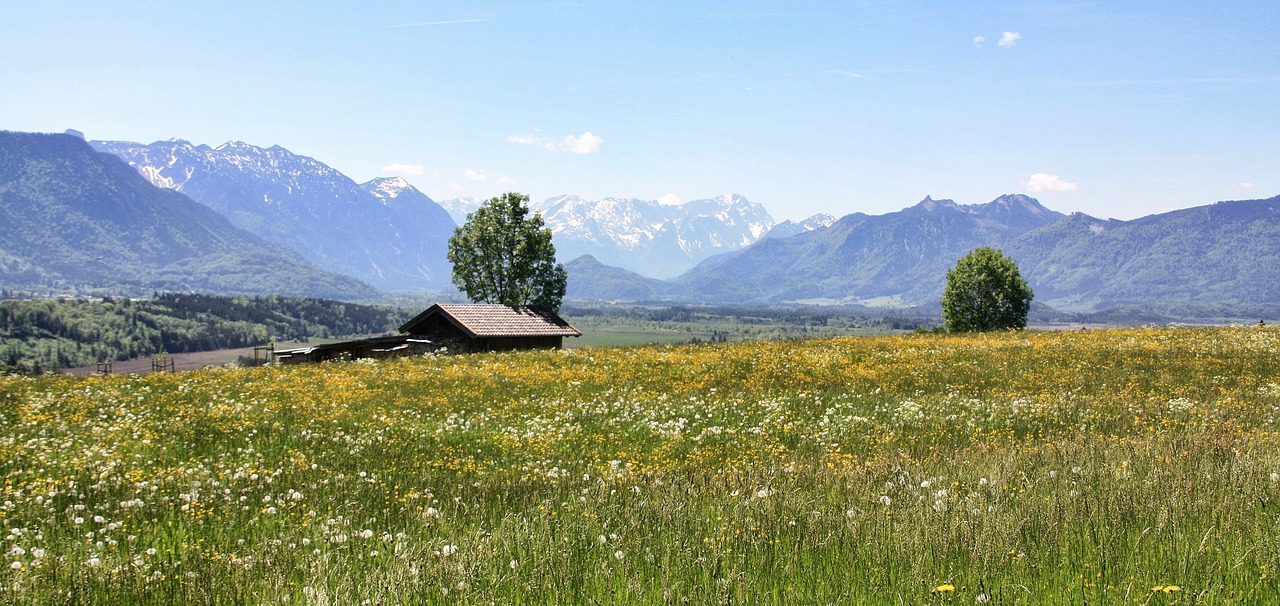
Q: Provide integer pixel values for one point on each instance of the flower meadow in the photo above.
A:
(1137, 466)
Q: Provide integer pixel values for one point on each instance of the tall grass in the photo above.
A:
(1134, 466)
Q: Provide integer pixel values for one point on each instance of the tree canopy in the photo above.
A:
(503, 254)
(985, 291)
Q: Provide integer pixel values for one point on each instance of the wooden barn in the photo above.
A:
(459, 328)
(490, 327)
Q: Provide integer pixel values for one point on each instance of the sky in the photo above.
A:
(1117, 109)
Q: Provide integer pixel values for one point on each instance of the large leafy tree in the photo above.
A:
(502, 254)
(985, 292)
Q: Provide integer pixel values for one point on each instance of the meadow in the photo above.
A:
(1137, 466)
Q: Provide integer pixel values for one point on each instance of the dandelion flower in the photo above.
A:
(944, 588)
(16, 565)
(619, 555)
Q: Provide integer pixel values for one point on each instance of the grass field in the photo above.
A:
(1131, 466)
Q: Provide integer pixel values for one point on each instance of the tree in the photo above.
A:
(985, 292)
(503, 255)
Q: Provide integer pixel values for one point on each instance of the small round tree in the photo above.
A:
(504, 255)
(985, 292)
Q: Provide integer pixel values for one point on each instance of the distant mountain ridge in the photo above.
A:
(862, 257)
(384, 232)
(1225, 254)
(72, 217)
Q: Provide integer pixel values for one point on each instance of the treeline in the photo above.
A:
(794, 317)
(48, 334)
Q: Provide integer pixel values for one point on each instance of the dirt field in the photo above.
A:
(181, 361)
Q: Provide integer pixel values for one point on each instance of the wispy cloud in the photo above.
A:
(431, 23)
(1009, 39)
(1045, 182)
(1175, 81)
(586, 143)
(671, 199)
(978, 40)
(404, 169)
(474, 175)
(504, 181)
(1245, 185)
(848, 74)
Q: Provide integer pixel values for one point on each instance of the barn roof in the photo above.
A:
(492, 320)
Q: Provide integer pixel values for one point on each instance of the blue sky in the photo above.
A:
(1116, 109)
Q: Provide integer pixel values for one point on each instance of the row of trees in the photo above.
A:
(47, 334)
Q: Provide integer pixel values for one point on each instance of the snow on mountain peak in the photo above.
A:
(388, 188)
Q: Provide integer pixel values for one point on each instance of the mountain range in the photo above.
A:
(71, 217)
(384, 231)
(647, 236)
(1227, 253)
(267, 220)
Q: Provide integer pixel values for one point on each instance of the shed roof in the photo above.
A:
(493, 320)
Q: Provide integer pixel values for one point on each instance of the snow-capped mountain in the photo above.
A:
(790, 228)
(651, 238)
(458, 208)
(385, 231)
(70, 215)
(645, 236)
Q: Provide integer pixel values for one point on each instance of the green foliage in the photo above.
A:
(47, 334)
(502, 255)
(985, 292)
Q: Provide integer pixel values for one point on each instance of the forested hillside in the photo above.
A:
(46, 334)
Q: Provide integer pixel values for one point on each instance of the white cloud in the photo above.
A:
(1045, 182)
(1009, 39)
(404, 169)
(671, 199)
(1244, 185)
(475, 175)
(522, 139)
(978, 40)
(506, 181)
(586, 143)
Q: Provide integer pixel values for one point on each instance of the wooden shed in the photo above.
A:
(375, 347)
(490, 327)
